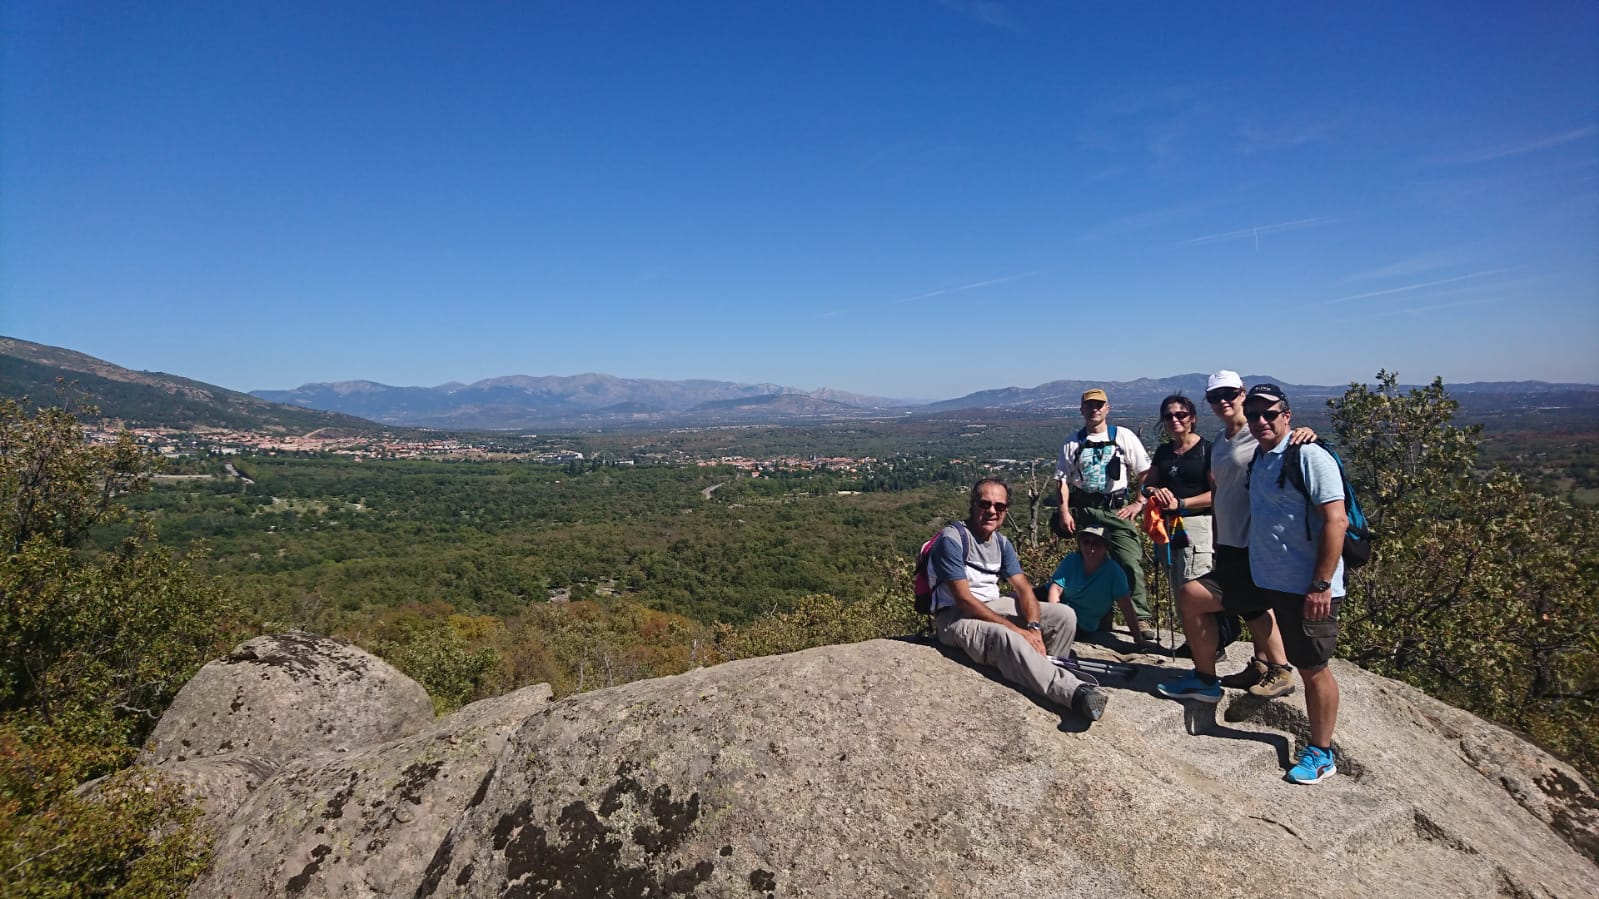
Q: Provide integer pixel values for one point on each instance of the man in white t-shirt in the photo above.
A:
(1097, 465)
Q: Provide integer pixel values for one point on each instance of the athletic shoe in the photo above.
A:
(1250, 676)
(1277, 681)
(1190, 687)
(1089, 701)
(1315, 765)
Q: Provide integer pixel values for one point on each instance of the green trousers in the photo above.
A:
(1127, 548)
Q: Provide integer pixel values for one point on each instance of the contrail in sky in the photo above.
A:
(1421, 286)
(973, 286)
(1256, 230)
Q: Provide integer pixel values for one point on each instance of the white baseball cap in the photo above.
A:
(1224, 378)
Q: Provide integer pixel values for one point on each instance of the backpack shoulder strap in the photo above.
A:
(966, 540)
(1293, 470)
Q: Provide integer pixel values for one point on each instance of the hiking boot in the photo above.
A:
(1089, 702)
(1250, 676)
(1190, 687)
(1315, 765)
(1147, 636)
(1277, 681)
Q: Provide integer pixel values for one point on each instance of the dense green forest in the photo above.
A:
(647, 558)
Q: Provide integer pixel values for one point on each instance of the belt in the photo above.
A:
(1081, 499)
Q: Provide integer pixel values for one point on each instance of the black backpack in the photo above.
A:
(1358, 538)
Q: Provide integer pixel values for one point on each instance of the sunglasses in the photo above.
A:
(1222, 394)
(1179, 415)
(1269, 414)
(985, 505)
(1093, 404)
(1090, 543)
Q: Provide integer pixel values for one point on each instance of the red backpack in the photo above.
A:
(924, 577)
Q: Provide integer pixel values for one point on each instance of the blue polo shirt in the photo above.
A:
(1280, 557)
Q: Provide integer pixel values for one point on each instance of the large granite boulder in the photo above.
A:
(888, 768)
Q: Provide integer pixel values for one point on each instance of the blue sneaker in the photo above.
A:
(1190, 687)
(1315, 765)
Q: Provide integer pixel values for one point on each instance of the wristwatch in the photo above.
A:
(1034, 626)
(1320, 586)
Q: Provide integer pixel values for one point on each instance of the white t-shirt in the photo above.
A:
(1087, 471)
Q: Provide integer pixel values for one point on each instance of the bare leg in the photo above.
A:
(1321, 702)
(1268, 639)
(1198, 609)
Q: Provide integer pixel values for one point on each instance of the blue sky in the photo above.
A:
(901, 198)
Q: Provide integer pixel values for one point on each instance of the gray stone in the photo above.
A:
(887, 769)
(363, 823)
(285, 696)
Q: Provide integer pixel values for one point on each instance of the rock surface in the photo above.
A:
(890, 769)
(288, 695)
(886, 769)
(364, 823)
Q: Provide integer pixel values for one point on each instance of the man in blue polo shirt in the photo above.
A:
(1011, 633)
(1296, 543)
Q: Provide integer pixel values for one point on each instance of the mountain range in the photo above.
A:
(520, 402)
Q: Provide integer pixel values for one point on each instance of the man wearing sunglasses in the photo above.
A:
(1096, 466)
(1012, 633)
(1302, 578)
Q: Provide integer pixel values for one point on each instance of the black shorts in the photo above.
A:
(1230, 583)
(1309, 644)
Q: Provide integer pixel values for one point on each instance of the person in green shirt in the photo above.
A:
(1085, 582)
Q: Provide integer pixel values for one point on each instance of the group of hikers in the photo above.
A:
(1242, 539)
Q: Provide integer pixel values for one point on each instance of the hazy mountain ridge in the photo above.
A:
(600, 400)
(520, 401)
(149, 398)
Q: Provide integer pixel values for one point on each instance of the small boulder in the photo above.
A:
(285, 696)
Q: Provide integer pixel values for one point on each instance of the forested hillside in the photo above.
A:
(476, 577)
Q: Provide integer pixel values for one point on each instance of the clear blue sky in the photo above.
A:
(901, 198)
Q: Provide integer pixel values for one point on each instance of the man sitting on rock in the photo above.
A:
(1010, 633)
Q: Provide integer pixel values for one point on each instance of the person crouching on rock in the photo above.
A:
(1085, 583)
(1014, 634)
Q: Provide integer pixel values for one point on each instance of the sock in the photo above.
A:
(1206, 679)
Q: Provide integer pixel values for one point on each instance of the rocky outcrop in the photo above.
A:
(890, 769)
(364, 823)
(289, 695)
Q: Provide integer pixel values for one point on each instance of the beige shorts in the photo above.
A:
(1193, 561)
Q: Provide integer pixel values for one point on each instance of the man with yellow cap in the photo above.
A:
(1098, 470)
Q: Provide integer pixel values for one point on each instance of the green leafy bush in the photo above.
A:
(93, 647)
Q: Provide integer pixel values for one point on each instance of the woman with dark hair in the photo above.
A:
(1178, 483)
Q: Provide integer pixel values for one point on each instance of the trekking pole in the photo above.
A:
(1094, 666)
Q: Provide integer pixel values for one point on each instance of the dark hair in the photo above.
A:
(1180, 400)
(977, 487)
